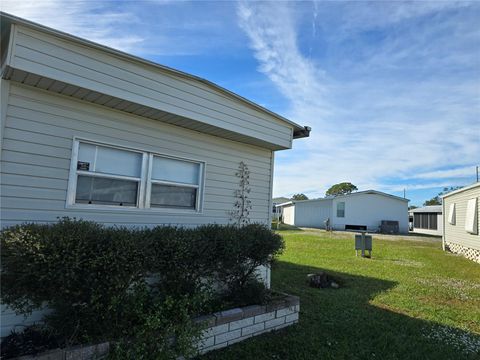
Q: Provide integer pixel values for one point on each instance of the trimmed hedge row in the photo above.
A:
(105, 283)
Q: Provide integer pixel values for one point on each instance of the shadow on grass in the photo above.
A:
(342, 324)
(285, 227)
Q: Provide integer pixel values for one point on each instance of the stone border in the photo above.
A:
(222, 329)
(231, 326)
(469, 253)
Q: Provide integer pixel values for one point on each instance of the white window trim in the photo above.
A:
(145, 181)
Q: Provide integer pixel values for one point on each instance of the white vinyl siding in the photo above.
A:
(457, 233)
(289, 214)
(36, 156)
(52, 58)
(313, 213)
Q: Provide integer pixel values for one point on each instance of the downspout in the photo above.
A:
(443, 224)
(302, 133)
(270, 209)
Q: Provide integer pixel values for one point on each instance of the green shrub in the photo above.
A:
(77, 268)
(160, 327)
(253, 292)
(141, 285)
(240, 251)
(196, 259)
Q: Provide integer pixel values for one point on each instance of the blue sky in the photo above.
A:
(391, 89)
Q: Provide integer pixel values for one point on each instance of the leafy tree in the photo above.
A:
(446, 190)
(437, 200)
(341, 189)
(299, 197)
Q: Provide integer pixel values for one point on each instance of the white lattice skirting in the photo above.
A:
(469, 253)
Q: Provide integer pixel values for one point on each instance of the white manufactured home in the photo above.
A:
(97, 134)
(427, 220)
(363, 210)
(277, 211)
(461, 221)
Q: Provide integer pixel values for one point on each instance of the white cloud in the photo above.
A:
(269, 28)
(463, 172)
(86, 19)
(149, 28)
(372, 129)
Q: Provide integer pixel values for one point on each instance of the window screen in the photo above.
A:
(107, 175)
(173, 196)
(105, 191)
(428, 221)
(175, 183)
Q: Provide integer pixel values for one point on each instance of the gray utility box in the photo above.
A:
(363, 243)
(368, 242)
(389, 227)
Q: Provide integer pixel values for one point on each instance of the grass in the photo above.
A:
(410, 301)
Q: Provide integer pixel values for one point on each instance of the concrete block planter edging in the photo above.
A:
(222, 329)
(231, 326)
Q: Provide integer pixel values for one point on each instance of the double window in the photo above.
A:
(104, 175)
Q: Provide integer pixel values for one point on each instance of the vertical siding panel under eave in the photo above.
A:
(199, 106)
(43, 154)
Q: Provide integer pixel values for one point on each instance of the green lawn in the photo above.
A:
(410, 301)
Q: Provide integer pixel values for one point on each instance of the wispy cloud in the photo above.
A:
(88, 19)
(149, 28)
(270, 29)
(396, 112)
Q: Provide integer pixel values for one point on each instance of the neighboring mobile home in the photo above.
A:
(427, 220)
(461, 221)
(277, 211)
(363, 210)
(98, 134)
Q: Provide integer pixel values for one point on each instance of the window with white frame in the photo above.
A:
(341, 209)
(174, 183)
(104, 175)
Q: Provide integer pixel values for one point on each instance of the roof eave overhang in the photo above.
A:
(298, 130)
